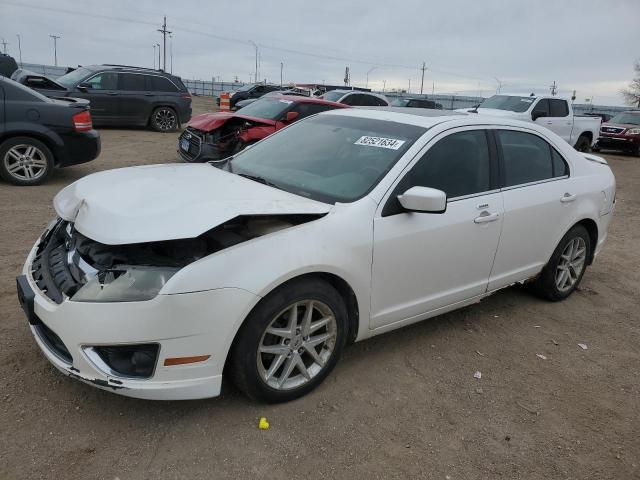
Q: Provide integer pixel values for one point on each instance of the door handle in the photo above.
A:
(112, 93)
(567, 197)
(549, 123)
(486, 217)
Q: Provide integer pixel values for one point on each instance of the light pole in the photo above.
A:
(158, 45)
(4, 45)
(171, 53)
(368, 72)
(19, 49)
(281, 67)
(55, 49)
(154, 56)
(424, 67)
(384, 85)
(409, 91)
(256, 47)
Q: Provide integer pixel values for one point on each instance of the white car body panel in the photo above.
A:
(401, 268)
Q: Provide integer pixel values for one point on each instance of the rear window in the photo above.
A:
(160, 84)
(132, 82)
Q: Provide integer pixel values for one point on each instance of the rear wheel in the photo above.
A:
(564, 271)
(25, 161)
(290, 342)
(164, 119)
(583, 144)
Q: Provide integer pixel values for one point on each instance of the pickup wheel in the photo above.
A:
(25, 161)
(583, 144)
(564, 271)
(164, 119)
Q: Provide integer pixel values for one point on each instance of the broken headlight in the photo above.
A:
(133, 284)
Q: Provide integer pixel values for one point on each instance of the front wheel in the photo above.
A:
(25, 161)
(583, 144)
(290, 342)
(564, 271)
(164, 119)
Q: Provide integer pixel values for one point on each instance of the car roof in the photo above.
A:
(126, 68)
(302, 98)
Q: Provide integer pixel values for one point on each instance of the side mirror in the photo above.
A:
(291, 116)
(423, 199)
(84, 86)
(537, 114)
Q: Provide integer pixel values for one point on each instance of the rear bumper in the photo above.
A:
(78, 147)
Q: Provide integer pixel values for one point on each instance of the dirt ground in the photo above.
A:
(402, 405)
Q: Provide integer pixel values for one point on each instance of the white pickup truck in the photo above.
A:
(552, 112)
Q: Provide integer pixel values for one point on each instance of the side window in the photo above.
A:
(380, 102)
(307, 109)
(351, 99)
(132, 82)
(527, 158)
(458, 165)
(160, 84)
(558, 108)
(104, 81)
(560, 167)
(369, 101)
(542, 108)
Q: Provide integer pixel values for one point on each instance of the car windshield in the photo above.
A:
(71, 79)
(630, 118)
(400, 102)
(508, 102)
(245, 88)
(333, 96)
(269, 108)
(329, 158)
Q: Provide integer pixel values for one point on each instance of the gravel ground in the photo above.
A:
(405, 404)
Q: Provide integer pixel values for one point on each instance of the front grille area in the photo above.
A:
(53, 342)
(194, 138)
(614, 130)
(50, 269)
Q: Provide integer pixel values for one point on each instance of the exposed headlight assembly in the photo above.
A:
(129, 284)
(633, 131)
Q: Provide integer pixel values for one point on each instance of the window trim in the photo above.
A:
(503, 187)
(134, 73)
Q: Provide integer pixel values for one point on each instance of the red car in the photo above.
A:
(214, 136)
(621, 133)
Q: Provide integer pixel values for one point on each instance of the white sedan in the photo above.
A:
(155, 281)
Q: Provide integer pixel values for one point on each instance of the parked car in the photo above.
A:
(215, 136)
(38, 133)
(552, 112)
(251, 90)
(604, 117)
(248, 101)
(156, 281)
(621, 133)
(39, 82)
(356, 98)
(125, 96)
(415, 103)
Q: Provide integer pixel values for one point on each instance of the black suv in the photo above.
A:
(248, 91)
(126, 96)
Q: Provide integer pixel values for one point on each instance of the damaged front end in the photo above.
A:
(68, 265)
(196, 145)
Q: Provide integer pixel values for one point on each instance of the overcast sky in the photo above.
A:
(584, 45)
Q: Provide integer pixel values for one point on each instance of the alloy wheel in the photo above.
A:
(297, 344)
(165, 119)
(25, 162)
(571, 264)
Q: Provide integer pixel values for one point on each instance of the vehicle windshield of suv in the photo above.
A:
(508, 102)
(269, 108)
(71, 79)
(630, 118)
(333, 96)
(400, 102)
(329, 158)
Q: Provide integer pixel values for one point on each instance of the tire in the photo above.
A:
(263, 376)
(583, 144)
(549, 284)
(25, 161)
(595, 149)
(164, 119)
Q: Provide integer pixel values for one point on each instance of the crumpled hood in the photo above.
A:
(165, 202)
(207, 122)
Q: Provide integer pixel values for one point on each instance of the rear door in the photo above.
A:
(539, 205)
(561, 121)
(103, 96)
(135, 98)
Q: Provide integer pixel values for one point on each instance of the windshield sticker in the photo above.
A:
(380, 142)
(526, 100)
(286, 101)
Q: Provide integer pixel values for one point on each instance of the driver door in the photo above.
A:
(423, 262)
(103, 95)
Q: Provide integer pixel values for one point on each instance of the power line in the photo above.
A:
(424, 67)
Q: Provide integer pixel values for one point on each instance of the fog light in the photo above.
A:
(136, 361)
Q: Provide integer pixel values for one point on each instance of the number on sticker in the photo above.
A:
(380, 142)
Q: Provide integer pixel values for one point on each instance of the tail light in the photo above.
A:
(82, 121)
(186, 95)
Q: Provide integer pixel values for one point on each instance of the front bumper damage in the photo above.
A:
(180, 325)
